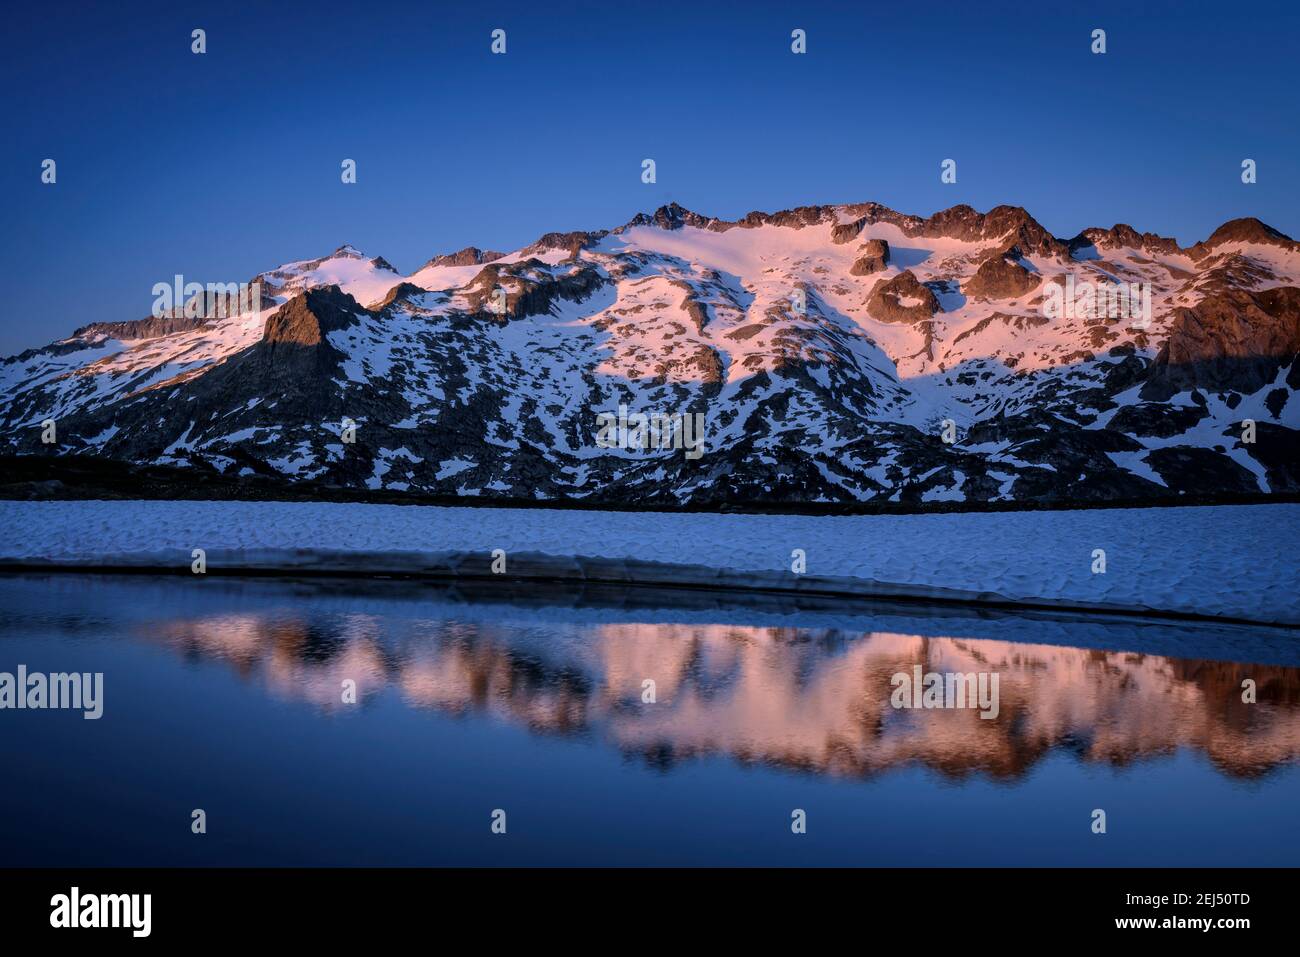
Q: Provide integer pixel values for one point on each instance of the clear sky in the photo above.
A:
(222, 165)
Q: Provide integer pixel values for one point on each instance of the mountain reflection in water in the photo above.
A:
(227, 695)
(811, 698)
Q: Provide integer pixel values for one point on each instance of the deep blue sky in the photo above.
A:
(222, 165)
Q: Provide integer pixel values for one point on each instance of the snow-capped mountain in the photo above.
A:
(833, 353)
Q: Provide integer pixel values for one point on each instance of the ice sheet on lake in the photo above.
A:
(1234, 561)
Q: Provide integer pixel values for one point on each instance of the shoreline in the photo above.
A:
(539, 570)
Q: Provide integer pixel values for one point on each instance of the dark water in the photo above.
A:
(226, 695)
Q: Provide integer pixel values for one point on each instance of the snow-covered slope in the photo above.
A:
(833, 352)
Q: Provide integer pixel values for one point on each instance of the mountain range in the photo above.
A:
(843, 353)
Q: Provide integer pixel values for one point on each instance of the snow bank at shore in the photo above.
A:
(1227, 561)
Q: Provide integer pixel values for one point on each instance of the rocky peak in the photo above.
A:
(1001, 277)
(1120, 236)
(858, 375)
(402, 291)
(469, 256)
(571, 242)
(306, 318)
(672, 216)
(1012, 225)
(150, 327)
(796, 218)
(1245, 230)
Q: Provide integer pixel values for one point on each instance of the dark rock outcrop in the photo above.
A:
(1011, 225)
(1234, 340)
(469, 256)
(1121, 235)
(305, 319)
(874, 256)
(1245, 230)
(1000, 277)
(902, 299)
(149, 327)
(530, 289)
(402, 291)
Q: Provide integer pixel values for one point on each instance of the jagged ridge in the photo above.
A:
(831, 349)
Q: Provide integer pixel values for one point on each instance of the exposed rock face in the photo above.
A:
(1000, 277)
(530, 289)
(1188, 470)
(1007, 225)
(842, 233)
(1122, 236)
(150, 327)
(846, 222)
(823, 346)
(702, 364)
(402, 291)
(1155, 419)
(572, 242)
(693, 306)
(874, 257)
(1017, 322)
(1231, 341)
(294, 348)
(789, 218)
(305, 319)
(672, 216)
(902, 299)
(1246, 230)
(1278, 449)
(469, 256)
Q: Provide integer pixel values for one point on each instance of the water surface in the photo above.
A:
(226, 695)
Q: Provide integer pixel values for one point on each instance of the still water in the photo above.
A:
(228, 696)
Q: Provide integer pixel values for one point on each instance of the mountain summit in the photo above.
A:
(833, 354)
